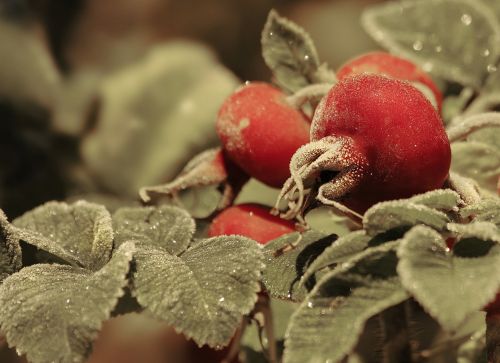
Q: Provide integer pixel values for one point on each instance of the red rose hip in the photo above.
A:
(250, 220)
(393, 67)
(260, 132)
(372, 139)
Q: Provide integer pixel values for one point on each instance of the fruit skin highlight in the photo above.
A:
(391, 66)
(373, 138)
(250, 220)
(260, 131)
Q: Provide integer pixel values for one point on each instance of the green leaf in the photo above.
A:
(487, 210)
(494, 5)
(52, 313)
(478, 161)
(441, 199)
(10, 251)
(485, 231)
(328, 324)
(289, 52)
(343, 249)
(287, 258)
(166, 227)
(385, 216)
(204, 292)
(147, 129)
(458, 42)
(446, 285)
(80, 233)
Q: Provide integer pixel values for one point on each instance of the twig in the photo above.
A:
(235, 347)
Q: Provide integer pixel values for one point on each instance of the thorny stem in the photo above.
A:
(468, 125)
(235, 347)
(313, 92)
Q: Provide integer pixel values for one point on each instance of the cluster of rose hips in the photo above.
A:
(376, 135)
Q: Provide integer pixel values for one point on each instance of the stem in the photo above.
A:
(473, 123)
(269, 329)
(313, 92)
(493, 337)
(234, 349)
(409, 319)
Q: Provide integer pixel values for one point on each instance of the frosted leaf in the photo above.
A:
(465, 187)
(487, 210)
(485, 231)
(291, 55)
(438, 278)
(328, 324)
(441, 199)
(478, 161)
(79, 233)
(167, 228)
(147, 129)
(287, 259)
(460, 29)
(494, 6)
(341, 250)
(204, 292)
(10, 251)
(400, 213)
(52, 313)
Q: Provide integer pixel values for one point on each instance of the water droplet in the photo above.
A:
(491, 68)
(309, 304)
(428, 66)
(306, 57)
(485, 52)
(438, 49)
(68, 301)
(221, 299)
(466, 19)
(418, 45)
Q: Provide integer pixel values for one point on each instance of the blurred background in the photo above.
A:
(99, 98)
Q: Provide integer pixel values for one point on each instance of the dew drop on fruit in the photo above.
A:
(466, 19)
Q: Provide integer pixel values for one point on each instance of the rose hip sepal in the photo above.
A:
(372, 139)
(250, 220)
(389, 65)
(211, 167)
(260, 131)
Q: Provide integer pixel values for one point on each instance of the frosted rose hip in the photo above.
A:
(372, 139)
(260, 132)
